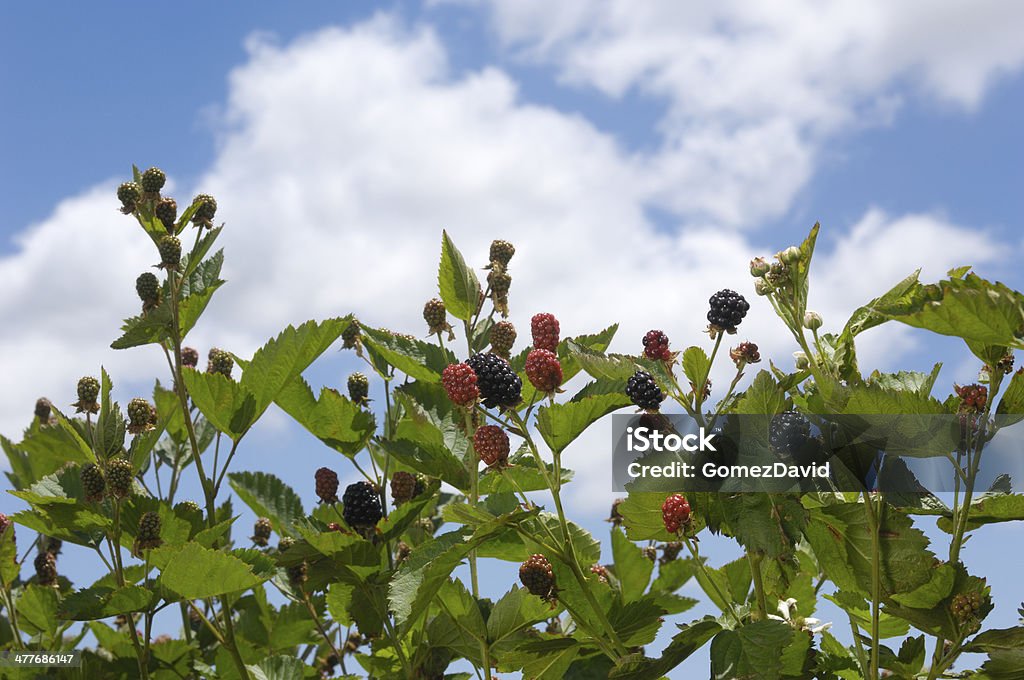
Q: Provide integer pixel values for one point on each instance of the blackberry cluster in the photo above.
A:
(166, 211)
(972, 397)
(543, 370)
(148, 535)
(88, 391)
(644, 391)
(326, 485)
(203, 216)
(219, 361)
(491, 444)
(965, 606)
(460, 383)
(601, 571)
(129, 193)
(502, 252)
(538, 577)
(499, 385)
(436, 316)
(93, 483)
(170, 252)
(788, 432)
(350, 337)
(119, 477)
(46, 569)
(261, 532)
(43, 410)
(727, 310)
(189, 357)
(403, 487)
(361, 505)
(140, 415)
(656, 346)
(745, 353)
(675, 513)
(153, 181)
(358, 388)
(502, 337)
(187, 507)
(148, 288)
(545, 330)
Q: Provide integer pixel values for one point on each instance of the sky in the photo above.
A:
(638, 155)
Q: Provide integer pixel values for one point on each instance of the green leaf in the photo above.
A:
(753, 650)
(150, 327)
(932, 592)
(195, 257)
(1011, 405)
(109, 432)
(763, 397)
(339, 598)
(907, 381)
(690, 638)
(194, 572)
(333, 419)
(631, 567)
(267, 496)
(613, 367)
(431, 457)
(696, 364)
(596, 342)
(522, 474)
(277, 668)
(457, 283)
(1005, 649)
(37, 610)
(100, 602)
(990, 509)
(560, 424)
(516, 610)
(417, 359)
(229, 406)
(51, 447)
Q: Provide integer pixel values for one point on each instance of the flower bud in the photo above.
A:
(802, 362)
(762, 287)
(812, 321)
(759, 267)
(790, 256)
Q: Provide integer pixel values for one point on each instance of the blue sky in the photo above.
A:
(579, 133)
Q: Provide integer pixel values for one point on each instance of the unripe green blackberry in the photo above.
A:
(500, 282)
(221, 362)
(502, 252)
(93, 483)
(187, 507)
(966, 606)
(166, 211)
(139, 416)
(285, 543)
(436, 316)
(351, 337)
(46, 569)
(119, 477)
(189, 357)
(358, 388)
(129, 194)
(502, 337)
(203, 216)
(261, 532)
(148, 535)
(361, 505)
(148, 288)
(778, 275)
(403, 487)
(170, 252)
(297, 575)
(153, 180)
(43, 410)
(538, 577)
(88, 391)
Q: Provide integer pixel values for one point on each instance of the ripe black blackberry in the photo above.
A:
(403, 487)
(502, 252)
(46, 569)
(326, 485)
(644, 391)
(153, 181)
(203, 216)
(727, 310)
(93, 483)
(88, 391)
(148, 535)
(129, 194)
(189, 357)
(139, 415)
(656, 346)
(361, 505)
(170, 252)
(43, 410)
(119, 477)
(436, 316)
(358, 388)
(789, 432)
(148, 288)
(219, 361)
(499, 385)
(166, 211)
(538, 577)
(502, 337)
(261, 532)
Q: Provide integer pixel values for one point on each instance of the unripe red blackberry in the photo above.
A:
(675, 513)
(499, 385)
(502, 337)
(361, 505)
(644, 392)
(327, 485)
(119, 477)
(189, 357)
(139, 416)
(297, 575)
(187, 507)
(436, 316)
(170, 252)
(745, 353)
(403, 487)
(538, 577)
(148, 535)
(148, 288)
(460, 383)
(491, 445)
(46, 569)
(203, 216)
(88, 391)
(93, 483)
(350, 337)
(153, 180)
(656, 346)
(727, 310)
(166, 211)
(615, 517)
(972, 397)
(502, 252)
(129, 194)
(545, 329)
(670, 551)
(261, 531)
(543, 370)
(43, 410)
(358, 388)
(219, 361)
(601, 571)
